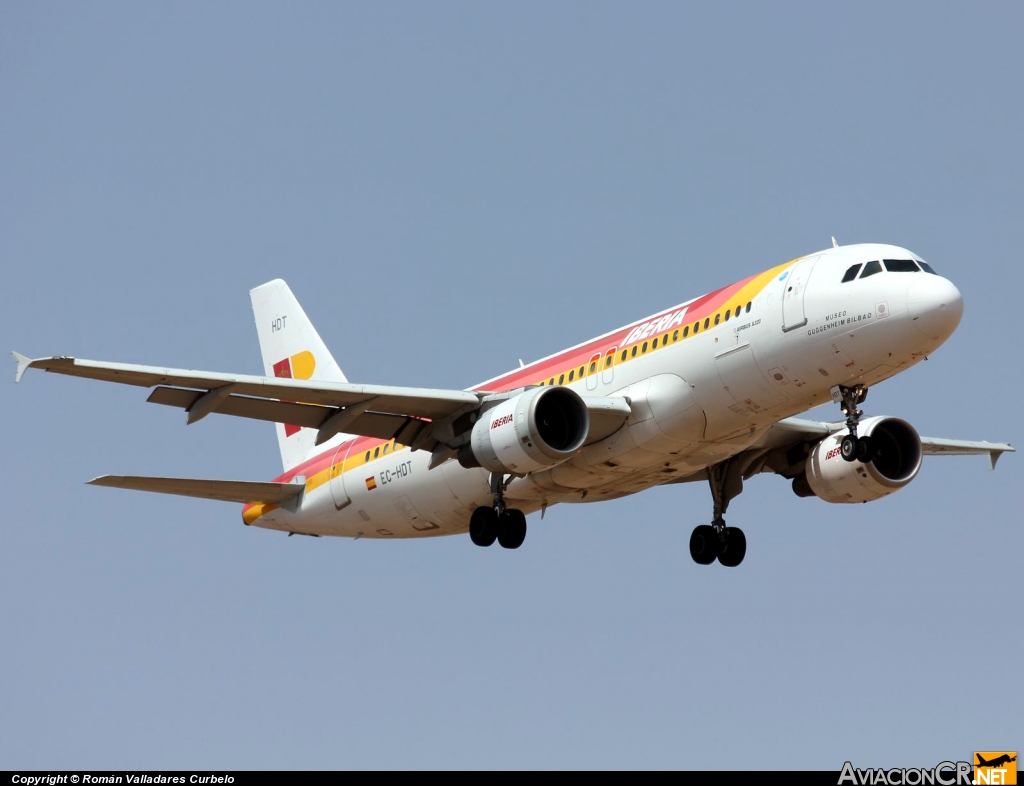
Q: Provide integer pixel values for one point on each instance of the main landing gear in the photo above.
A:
(853, 448)
(498, 523)
(717, 541)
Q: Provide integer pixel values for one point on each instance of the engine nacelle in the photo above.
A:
(896, 451)
(539, 428)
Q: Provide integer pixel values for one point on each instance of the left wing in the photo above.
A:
(774, 452)
(782, 449)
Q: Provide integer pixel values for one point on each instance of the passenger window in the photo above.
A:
(696, 327)
(901, 266)
(551, 381)
(643, 348)
(748, 306)
(593, 367)
(851, 273)
(571, 373)
(608, 360)
(367, 456)
(738, 309)
(386, 449)
(376, 452)
(675, 336)
(926, 267)
(728, 313)
(871, 268)
(633, 353)
(541, 383)
(707, 322)
(686, 331)
(582, 369)
(718, 318)
(623, 354)
(664, 339)
(561, 378)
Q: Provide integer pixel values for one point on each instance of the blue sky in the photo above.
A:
(449, 188)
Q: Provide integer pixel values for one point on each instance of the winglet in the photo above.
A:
(23, 365)
(993, 457)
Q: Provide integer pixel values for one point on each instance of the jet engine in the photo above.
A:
(894, 460)
(538, 428)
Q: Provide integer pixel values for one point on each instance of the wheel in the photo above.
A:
(514, 532)
(734, 548)
(864, 450)
(848, 448)
(704, 544)
(483, 526)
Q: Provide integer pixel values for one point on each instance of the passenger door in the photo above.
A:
(794, 287)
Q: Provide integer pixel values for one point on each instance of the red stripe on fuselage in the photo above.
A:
(579, 356)
(696, 311)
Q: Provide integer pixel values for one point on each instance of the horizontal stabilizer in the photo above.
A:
(225, 490)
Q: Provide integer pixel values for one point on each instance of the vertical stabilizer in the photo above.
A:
(291, 348)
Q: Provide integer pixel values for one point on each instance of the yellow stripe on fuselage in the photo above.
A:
(746, 293)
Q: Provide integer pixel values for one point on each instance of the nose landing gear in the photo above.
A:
(853, 448)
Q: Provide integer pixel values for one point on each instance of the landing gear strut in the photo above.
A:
(498, 523)
(717, 541)
(852, 448)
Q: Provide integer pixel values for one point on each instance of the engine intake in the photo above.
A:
(539, 428)
(895, 461)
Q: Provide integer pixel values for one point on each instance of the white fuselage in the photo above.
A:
(695, 399)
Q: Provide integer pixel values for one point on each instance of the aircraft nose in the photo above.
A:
(935, 306)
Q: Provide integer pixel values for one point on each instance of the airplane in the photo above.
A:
(996, 762)
(704, 391)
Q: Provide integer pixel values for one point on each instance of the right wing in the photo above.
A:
(408, 415)
(417, 417)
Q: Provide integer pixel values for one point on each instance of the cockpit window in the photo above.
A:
(901, 265)
(851, 274)
(926, 267)
(871, 268)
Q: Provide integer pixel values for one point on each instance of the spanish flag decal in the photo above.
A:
(371, 483)
(299, 366)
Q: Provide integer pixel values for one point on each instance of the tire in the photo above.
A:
(704, 544)
(514, 532)
(735, 548)
(848, 448)
(483, 526)
(865, 450)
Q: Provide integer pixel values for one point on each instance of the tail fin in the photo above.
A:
(291, 348)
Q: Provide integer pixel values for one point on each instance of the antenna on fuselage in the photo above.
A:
(834, 243)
